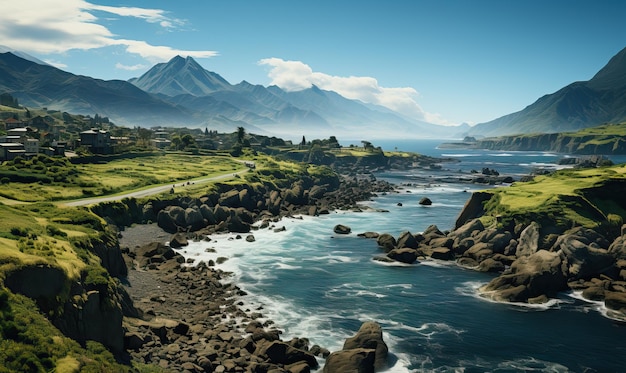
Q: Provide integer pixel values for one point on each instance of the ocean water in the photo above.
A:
(322, 286)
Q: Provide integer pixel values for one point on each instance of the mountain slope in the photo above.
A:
(601, 99)
(46, 86)
(180, 76)
(313, 111)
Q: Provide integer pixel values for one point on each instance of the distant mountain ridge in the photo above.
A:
(602, 99)
(183, 82)
(182, 93)
(39, 85)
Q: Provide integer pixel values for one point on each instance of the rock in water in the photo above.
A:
(342, 229)
(425, 201)
(365, 352)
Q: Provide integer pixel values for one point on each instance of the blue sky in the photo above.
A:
(442, 61)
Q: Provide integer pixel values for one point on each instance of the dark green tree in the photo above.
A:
(241, 134)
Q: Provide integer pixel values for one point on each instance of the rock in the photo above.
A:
(368, 235)
(541, 273)
(250, 238)
(386, 241)
(615, 301)
(171, 218)
(342, 229)
(359, 360)
(133, 341)
(370, 336)
(425, 201)
(178, 240)
(280, 352)
(406, 239)
(528, 242)
(404, 255)
(490, 265)
(583, 257)
(473, 208)
(194, 219)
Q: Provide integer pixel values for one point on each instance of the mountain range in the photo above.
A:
(600, 100)
(180, 92)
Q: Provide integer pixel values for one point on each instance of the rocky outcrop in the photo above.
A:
(342, 229)
(364, 352)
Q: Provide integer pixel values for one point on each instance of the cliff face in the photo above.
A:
(558, 143)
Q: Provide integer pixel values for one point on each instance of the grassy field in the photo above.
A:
(561, 195)
(88, 180)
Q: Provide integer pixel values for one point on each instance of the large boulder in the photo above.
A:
(370, 336)
(386, 241)
(540, 274)
(194, 219)
(360, 360)
(528, 242)
(171, 218)
(406, 239)
(403, 255)
(584, 258)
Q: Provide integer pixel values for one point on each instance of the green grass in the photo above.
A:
(561, 197)
(115, 177)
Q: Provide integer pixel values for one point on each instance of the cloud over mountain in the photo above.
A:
(296, 76)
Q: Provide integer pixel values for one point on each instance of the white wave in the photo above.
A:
(287, 266)
(472, 289)
(427, 330)
(501, 155)
(597, 306)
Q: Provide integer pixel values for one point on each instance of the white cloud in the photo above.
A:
(130, 68)
(57, 64)
(37, 26)
(296, 75)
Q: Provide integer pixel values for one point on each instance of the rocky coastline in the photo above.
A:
(191, 317)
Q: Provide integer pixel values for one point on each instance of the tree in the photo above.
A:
(241, 133)
(303, 143)
(206, 131)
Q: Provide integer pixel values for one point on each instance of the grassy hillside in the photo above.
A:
(587, 197)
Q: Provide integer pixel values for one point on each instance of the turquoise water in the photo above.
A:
(315, 284)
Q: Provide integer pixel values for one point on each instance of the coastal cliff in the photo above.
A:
(553, 234)
(606, 139)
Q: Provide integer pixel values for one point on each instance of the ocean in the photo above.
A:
(316, 284)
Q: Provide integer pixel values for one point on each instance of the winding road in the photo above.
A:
(147, 192)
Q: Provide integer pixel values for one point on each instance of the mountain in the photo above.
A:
(26, 56)
(313, 111)
(602, 99)
(180, 76)
(38, 85)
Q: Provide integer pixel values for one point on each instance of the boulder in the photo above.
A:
(178, 240)
(425, 201)
(342, 229)
(386, 241)
(584, 258)
(360, 360)
(193, 218)
(370, 336)
(403, 255)
(542, 273)
(528, 242)
(406, 239)
(171, 218)
(279, 352)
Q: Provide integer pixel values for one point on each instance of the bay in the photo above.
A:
(319, 285)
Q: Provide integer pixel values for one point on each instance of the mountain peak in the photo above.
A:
(613, 74)
(181, 75)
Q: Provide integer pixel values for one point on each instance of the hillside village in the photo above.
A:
(56, 133)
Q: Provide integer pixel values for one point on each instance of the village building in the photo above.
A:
(97, 141)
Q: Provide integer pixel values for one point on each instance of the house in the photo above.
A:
(19, 131)
(97, 141)
(160, 143)
(31, 146)
(11, 123)
(10, 150)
